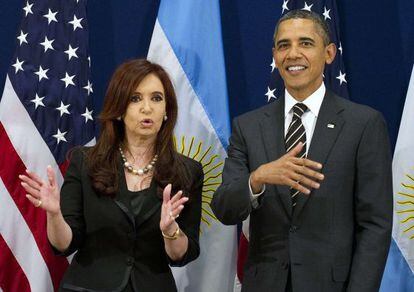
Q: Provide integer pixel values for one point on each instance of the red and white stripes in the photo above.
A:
(27, 262)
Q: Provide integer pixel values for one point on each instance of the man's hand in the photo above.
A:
(298, 173)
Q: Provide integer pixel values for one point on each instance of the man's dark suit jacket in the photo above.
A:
(335, 239)
(111, 244)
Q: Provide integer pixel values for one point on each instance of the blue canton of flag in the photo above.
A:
(334, 75)
(51, 73)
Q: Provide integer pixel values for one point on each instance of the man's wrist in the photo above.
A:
(255, 183)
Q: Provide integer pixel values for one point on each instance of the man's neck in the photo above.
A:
(301, 94)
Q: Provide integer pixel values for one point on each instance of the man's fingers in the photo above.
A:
(296, 150)
(309, 163)
(303, 180)
(297, 186)
(312, 174)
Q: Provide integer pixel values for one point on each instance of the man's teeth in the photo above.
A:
(296, 68)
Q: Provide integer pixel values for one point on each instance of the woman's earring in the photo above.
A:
(118, 118)
(165, 117)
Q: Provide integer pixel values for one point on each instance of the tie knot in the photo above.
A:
(299, 109)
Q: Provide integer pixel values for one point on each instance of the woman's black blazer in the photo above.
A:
(111, 245)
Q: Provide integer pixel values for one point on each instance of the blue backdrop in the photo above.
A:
(377, 37)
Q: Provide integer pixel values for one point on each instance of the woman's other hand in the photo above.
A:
(42, 194)
(171, 209)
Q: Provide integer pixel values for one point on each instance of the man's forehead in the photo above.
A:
(297, 28)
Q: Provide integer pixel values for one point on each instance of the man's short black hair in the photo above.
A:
(320, 24)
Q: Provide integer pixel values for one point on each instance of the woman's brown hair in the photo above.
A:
(103, 160)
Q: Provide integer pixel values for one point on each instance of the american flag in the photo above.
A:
(334, 78)
(334, 75)
(45, 110)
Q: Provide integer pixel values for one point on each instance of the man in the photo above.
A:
(313, 171)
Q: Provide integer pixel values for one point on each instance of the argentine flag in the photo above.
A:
(187, 42)
(399, 271)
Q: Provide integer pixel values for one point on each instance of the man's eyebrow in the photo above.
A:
(282, 41)
(307, 39)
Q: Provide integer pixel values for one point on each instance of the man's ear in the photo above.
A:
(330, 53)
(273, 55)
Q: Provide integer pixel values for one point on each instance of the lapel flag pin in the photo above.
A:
(331, 126)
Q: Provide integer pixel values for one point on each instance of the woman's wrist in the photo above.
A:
(55, 214)
(171, 233)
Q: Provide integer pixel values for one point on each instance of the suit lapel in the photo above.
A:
(121, 199)
(273, 132)
(328, 126)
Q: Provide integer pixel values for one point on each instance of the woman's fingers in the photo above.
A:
(177, 197)
(34, 177)
(32, 191)
(51, 176)
(173, 214)
(166, 194)
(29, 181)
(36, 202)
(181, 201)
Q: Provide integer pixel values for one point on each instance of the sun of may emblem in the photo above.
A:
(405, 206)
(212, 166)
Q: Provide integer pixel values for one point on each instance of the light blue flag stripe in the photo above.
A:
(397, 275)
(201, 41)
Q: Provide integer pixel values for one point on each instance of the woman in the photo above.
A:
(115, 207)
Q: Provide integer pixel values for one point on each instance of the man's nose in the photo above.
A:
(294, 52)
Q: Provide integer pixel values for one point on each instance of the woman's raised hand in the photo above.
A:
(42, 194)
(171, 209)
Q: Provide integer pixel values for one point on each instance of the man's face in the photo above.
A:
(300, 56)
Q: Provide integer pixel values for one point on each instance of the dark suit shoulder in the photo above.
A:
(257, 113)
(78, 152)
(194, 167)
(356, 112)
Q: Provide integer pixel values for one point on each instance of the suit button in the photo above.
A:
(293, 228)
(285, 265)
(130, 261)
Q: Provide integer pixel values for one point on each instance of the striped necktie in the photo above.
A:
(295, 134)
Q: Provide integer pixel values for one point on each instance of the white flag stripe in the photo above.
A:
(403, 165)
(189, 106)
(35, 155)
(216, 263)
(22, 244)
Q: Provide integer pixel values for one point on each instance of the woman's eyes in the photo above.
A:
(157, 97)
(136, 98)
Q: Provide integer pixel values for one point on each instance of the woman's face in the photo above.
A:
(146, 110)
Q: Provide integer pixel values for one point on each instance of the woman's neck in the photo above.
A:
(143, 148)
